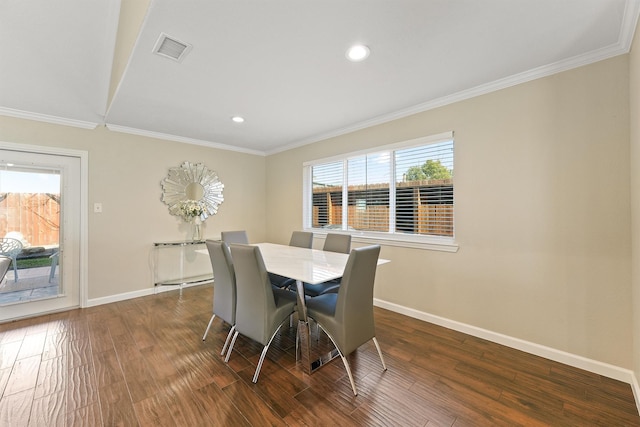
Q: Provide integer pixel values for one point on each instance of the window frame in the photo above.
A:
(419, 241)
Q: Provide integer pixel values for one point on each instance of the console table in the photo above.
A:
(182, 264)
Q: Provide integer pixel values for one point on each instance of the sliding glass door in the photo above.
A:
(40, 232)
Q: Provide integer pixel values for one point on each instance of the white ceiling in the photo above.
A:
(281, 63)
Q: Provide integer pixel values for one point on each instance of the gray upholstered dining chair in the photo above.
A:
(224, 287)
(260, 309)
(239, 236)
(300, 239)
(334, 242)
(347, 316)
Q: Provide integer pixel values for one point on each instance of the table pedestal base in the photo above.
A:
(310, 361)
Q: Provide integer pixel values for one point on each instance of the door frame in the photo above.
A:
(84, 197)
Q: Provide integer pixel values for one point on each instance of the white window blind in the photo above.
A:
(402, 191)
(424, 190)
(327, 185)
(368, 192)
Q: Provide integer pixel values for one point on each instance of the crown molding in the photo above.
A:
(169, 137)
(20, 114)
(484, 89)
(629, 24)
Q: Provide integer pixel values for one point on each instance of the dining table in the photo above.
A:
(312, 266)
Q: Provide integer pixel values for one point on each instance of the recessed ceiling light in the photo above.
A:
(357, 53)
(237, 119)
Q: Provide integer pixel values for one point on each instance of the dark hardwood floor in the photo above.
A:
(142, 362)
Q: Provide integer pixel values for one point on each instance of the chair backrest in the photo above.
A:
(354, 307)
(10, 247)
(255, 300)
(301, 239)
(239, 236)
(224, 281)
(335, 242)
(4, 266)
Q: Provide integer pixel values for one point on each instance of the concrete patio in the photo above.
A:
(32, 284)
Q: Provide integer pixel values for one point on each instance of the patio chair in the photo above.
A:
(5, 262)
(54, 263)
(11, 248)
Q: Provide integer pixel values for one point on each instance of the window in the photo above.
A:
(399, 193)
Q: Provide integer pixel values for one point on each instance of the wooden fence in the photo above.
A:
(424, 207)
(35, 215)
(430, 219)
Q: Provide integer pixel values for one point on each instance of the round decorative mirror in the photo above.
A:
(192, 190)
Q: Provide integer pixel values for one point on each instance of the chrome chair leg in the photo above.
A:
(233, 341)
(263, 354)
(208, 327)
(226, 342)
(348, 368)
(375, 341)
(344, 360)
(298, 342)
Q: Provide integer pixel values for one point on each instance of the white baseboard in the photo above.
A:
(135, 294)
(600, 368)
(636, 391)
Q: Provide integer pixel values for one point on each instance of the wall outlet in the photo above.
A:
(97, 208)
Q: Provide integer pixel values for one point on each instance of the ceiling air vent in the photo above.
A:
(170, 47)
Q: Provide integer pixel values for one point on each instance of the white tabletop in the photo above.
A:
(307, 265)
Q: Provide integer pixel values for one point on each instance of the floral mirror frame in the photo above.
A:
(192, 190)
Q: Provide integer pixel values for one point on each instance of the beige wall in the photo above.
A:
(634, 91)
(542, 208)
(125, 172)
(542, 188)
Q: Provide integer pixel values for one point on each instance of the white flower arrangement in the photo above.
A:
(190, 209)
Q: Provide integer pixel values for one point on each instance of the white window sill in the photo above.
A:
(432, 243)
